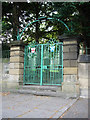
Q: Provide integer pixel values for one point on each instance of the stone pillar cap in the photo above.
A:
(17, 43)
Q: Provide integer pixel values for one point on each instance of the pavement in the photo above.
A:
(78, 110)
(16, 105)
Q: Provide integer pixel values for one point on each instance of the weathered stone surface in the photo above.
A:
(84, 66)
(70, 56)
(70, 70)
(84, 93)
(84, 58)
(73, 63)
(70, 78)
(16, 53)
(17, 65)
(83, 78)
(83, 69)
(70, 87)
(68, 48)
(16, 71)
(12, 82)
(70, 63)
(15, 48)
(66, 63)
(20, 78)
(83, 83)
(13, 85)
(16, 59)
(70, 42)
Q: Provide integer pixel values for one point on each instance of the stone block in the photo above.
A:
(70, 78)
(70, 56)
(70, 63)
(70, 87)
(16, 59)
(16, 71)
(70, 70)
(72, 48)
(83, 83)
(14, 81)
(16, 53)
(84, 93)
(73, 63)
(66, 63)
(88, 82)
(84, 66)
(13, 85)
(69, 42)
(84, 58)
(83, 70)
(16, 65)
(14, 48)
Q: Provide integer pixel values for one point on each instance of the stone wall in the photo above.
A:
(70, 71)
(83, 74)
(16, 65)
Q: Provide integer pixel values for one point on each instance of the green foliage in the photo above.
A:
(74, 14)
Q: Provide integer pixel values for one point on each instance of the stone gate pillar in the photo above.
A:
(16, 64)
(70, 71)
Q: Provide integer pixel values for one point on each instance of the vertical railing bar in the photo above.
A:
(41, 63)
(59, 62)
(28, 66)
(50, 65)
(39, 70)
(24, 65)
(56, 65)
(34, 69)
(29, 63)
(53, 66)
(62, 63)
(37, 64)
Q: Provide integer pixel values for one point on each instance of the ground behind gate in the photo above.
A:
(31, 106)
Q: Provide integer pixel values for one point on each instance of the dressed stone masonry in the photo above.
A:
(16, 64)
(70, 71)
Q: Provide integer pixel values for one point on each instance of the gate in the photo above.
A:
(43, 64)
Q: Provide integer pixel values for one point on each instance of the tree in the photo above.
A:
(75, 15)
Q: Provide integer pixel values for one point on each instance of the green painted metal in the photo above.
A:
(85, 50)
(43, 66)
(41, 18)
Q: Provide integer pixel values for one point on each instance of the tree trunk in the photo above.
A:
(37, 24)
(15, 21)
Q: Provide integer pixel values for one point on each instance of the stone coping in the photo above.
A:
(83, 59)
(17, 43)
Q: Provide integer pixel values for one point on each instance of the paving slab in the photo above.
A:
(31, 106)
(78, 110)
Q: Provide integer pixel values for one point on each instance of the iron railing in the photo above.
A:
(84, 51)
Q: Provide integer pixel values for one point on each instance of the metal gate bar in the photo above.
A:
(43, 66)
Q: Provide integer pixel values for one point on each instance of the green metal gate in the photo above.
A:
(43, 64)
